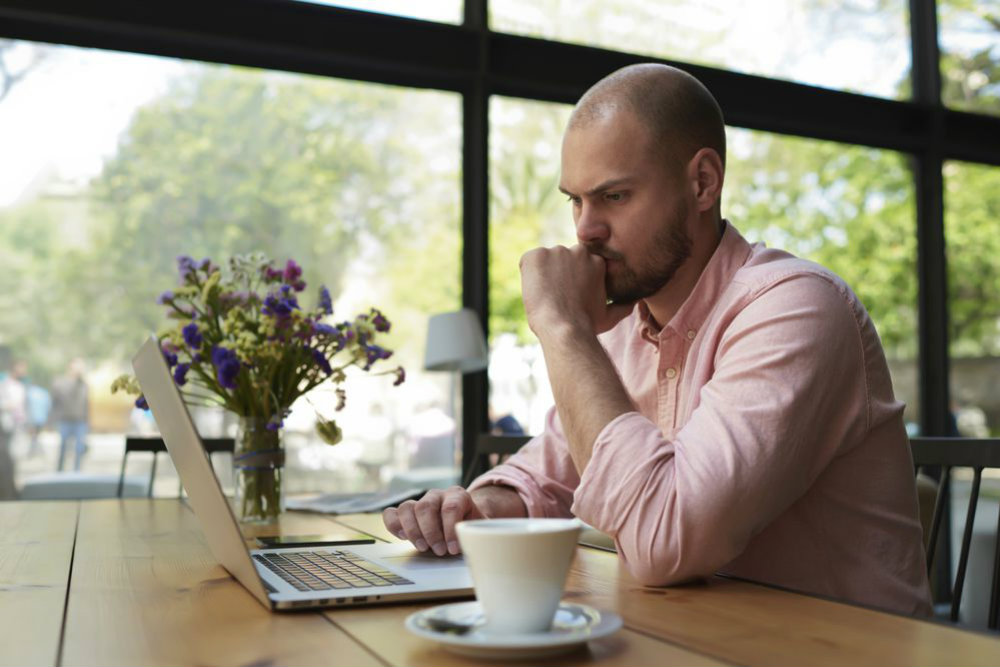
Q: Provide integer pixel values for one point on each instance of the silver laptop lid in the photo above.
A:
(218, 523)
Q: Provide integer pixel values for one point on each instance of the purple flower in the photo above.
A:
(400, 376)
(325, 302)
(293, 276)
(227, 372)
(321, 360)
(165, 298)
(280, 305)
(379, 321)
(374, 353)
(227, 366)
(274, 426)
(186, 265)
(180, 374)
(271, 274)
(192, 336)
(207, 266)
(171, 357)
(141, 403)
(324, 329)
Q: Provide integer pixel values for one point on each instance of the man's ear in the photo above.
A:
(706, 174)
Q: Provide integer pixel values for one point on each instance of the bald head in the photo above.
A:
(679, 112)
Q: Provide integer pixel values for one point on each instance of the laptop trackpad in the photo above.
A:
(423, 561)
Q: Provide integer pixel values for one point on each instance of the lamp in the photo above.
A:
(455, 343)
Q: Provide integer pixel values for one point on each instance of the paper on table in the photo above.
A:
(352, 503)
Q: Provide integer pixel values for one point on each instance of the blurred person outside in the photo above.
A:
(38, 405)
(71, 412)
(502, 422)
(11, 410)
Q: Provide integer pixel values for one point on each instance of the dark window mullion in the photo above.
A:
(931, 260)
(475, 225)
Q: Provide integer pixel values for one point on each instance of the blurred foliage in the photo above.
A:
(231, 160)
(970, 54)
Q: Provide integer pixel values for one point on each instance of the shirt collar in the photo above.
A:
(732, 253)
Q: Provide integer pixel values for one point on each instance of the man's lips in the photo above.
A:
(607, 254)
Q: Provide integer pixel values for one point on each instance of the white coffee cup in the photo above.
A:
(519, 569)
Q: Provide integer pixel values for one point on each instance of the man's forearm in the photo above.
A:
(587, 390)
(497, 501)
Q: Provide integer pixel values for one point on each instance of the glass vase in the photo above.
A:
(258, 462)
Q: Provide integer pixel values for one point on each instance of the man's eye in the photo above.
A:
(614, 196)
(575, 200)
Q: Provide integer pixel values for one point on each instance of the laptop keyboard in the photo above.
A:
(322, 571)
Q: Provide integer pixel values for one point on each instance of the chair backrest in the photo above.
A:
(487, 445)
(155, 446)
(944, 454)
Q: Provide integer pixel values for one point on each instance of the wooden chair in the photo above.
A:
(945, 454)
(155, 446)
(488, 445)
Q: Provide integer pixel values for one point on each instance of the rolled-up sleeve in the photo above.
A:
(783, 397)
(542, 473)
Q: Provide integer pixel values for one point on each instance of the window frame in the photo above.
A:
(477, 62)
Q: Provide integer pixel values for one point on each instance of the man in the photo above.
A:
(736, 414)
(71, 412)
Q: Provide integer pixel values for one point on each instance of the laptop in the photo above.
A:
(289, 578)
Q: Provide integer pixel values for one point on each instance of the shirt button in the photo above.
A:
(671, 373)
(691, 334)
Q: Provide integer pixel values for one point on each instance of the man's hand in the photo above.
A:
(567, 307)
(561, 285)
(430, 522)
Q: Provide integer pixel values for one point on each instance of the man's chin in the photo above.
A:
(622, 296)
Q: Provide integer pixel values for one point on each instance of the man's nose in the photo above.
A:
(591, 227)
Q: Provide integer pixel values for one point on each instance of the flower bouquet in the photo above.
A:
(242, 340)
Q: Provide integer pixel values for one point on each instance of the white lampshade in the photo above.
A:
(455, 342)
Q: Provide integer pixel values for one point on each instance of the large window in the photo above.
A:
(114, 164)
(859, 45)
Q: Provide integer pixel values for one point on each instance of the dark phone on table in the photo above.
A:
(336, 540)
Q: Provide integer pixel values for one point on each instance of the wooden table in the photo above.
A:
(132, 582)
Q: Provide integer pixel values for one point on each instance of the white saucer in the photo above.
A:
(574, 624)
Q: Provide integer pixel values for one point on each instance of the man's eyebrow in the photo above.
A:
(602, 187)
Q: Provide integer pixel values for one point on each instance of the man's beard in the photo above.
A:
(670, 248)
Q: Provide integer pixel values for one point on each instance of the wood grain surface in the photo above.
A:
(146, 591)
(136, 585)
(36, 549)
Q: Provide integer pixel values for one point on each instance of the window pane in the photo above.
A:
(848, 208)
(526, 211)
(443, 11)
(970, 54)
(972, 207)
(859, 45)
(114, 164)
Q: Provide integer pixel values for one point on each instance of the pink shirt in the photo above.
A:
(766, 442)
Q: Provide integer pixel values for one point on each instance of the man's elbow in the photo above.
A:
(663, 571)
